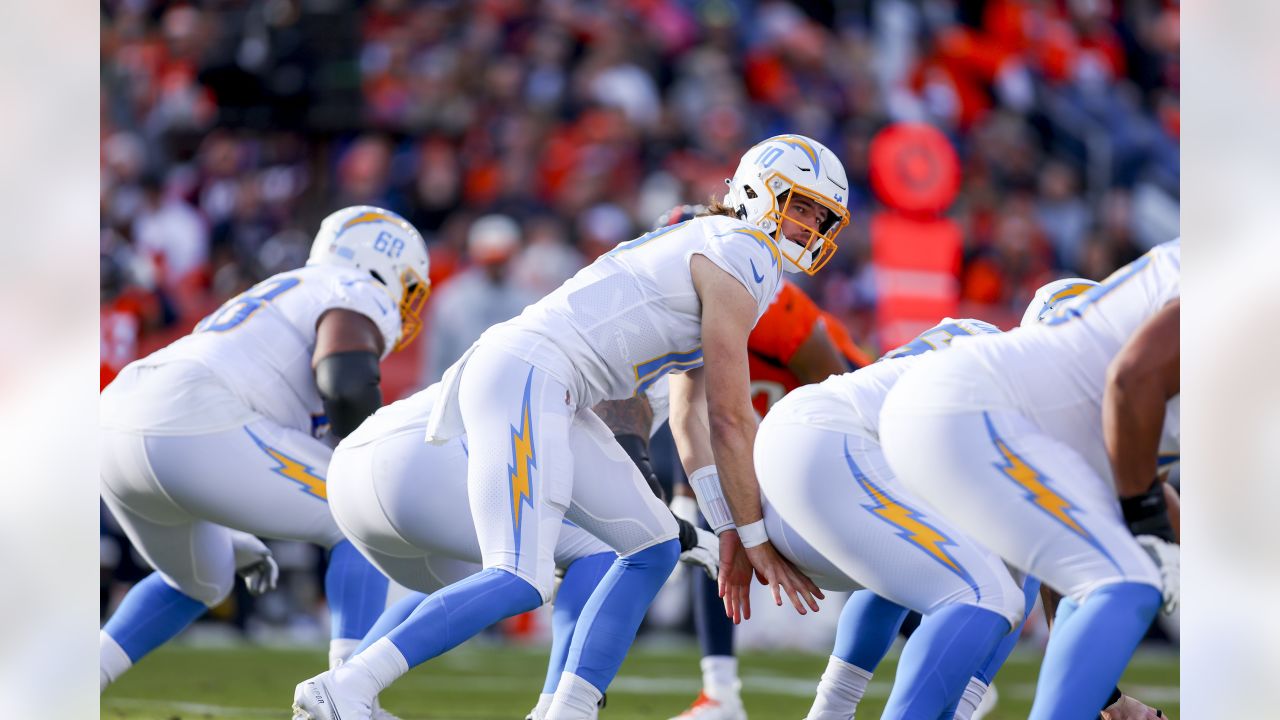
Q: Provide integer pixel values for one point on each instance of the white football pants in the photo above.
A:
(176, 495)
(403, 504)
(833, 507)
(1017, 490)
(534, 461)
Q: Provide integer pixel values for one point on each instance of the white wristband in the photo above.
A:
(705, 482)
(753, 534)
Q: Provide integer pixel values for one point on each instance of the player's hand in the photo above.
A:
(705, 554)
(254, 563)
(1168, 559)
(1126, 708)
(735, 577)
(783, 578)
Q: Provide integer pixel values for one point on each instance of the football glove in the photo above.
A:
(706, 554)
(1168, 560)
(1147, 514)
(254, 563)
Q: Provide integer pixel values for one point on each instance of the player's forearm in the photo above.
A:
(732, 442)
(1132, 418)
(1140, 381)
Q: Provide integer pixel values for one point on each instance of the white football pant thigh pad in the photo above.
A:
(611, 499)
(403, 503)
(520, 464)
(1030, 498)
(836, 492)
(404, 498)
(193, 555)
(262, 478)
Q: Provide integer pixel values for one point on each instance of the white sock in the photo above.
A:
(113, 660)
(340, 649)
(839, 692)
(971, 699)
(720, 677)
(544, 704)
(575, 699)
(382, 662)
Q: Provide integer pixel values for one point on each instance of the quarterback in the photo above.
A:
(1017, 460)
(681, 299)
(221, 432)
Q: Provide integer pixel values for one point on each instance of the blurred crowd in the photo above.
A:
(524, 138)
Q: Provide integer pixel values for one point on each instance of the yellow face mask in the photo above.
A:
(415, 290)
(820, 245)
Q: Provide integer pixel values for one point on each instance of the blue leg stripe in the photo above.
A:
(613, 613)
(456, 613)
(151, 614)
(355, 590)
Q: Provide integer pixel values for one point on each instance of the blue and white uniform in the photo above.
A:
(834, 508)
(537, 454)
(825, 484)
(221, 428)
(1004, 435)
(527, 386)
(403, 502)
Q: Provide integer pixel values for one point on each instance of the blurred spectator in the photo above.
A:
(1062, 212)
(547, 259)
(476, 298)
(174, 235)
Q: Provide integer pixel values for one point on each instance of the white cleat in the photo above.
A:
(704, 708)
(320, 698)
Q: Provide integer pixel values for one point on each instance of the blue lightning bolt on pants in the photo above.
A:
(1038, 503)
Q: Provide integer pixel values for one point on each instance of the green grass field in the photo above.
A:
(502, 683)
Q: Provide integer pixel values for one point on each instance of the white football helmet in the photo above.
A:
(1050, 296)
(387, 247)
(774, 172)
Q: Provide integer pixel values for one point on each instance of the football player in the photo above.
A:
(222, 430)
(793, 344)
(1017, 460)
(868, 622)
(403, 503)
(835, 509)
(682, 299)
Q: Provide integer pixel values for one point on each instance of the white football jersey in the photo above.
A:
(1054, 373)
(259, 344)
(1068, 353)
(625, 321)
(851, 402)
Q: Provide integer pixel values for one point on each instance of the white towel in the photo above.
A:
(445, 422)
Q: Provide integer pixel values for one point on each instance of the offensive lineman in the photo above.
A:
(1017, 460)
(836, 510)
(680, 299)
(221, 430)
